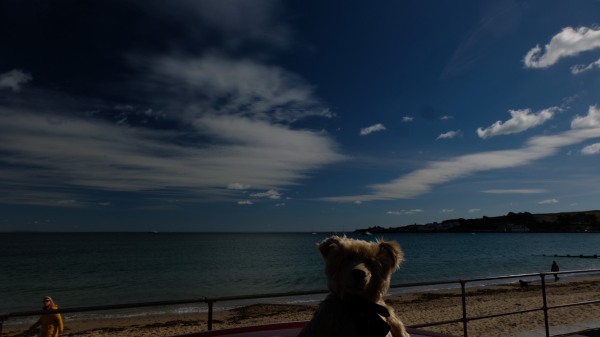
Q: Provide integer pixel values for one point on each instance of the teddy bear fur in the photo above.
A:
(358, 276)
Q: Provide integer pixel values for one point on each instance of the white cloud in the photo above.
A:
(591, 149)
(245, 202)
(422, 180)
(14, 79)
(516, 191)
(580, 68)
(591, 120)
(569, 42)
(520, 121)
(447, 210)
(449, 135)
(271, 194)
(405, 212)
(101, 155)
(548, 201)
(242, 88)
(371, 129)
(238, 186)
(445, 118)
(407, 119)
(474, 210)
(231, 117)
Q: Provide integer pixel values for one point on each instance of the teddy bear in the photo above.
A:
(358, 276)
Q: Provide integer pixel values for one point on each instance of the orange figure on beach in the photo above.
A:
(51, 325)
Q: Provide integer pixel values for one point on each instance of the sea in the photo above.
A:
(97, 269)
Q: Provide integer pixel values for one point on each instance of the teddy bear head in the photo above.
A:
(358, 268)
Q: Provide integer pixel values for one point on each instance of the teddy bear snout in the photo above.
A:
(360, 277)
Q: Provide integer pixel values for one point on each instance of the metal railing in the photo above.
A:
(465, 319)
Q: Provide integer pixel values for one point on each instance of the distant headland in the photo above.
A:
(564, 222)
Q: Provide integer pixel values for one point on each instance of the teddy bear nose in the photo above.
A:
(358, 274)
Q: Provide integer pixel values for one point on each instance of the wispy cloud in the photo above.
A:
(226, 121)
(248, 140)
(407, 119)
(238, 186)
(516, 191)
(270, 194)
(449, 135)
(569, 42)
(548, 201)
(219, 85)
(405, 212)
(474, 210)
(520, 121)
(111, 157)
(421, 181)
(581, 68)
(373, 128)
(591, 149)
(14, 80)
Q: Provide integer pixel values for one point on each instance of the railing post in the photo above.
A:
(545, 304)
(210, 313)
(464, 308)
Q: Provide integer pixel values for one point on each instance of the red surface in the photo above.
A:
(291, 329)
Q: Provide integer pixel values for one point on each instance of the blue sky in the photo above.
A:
(294, 115)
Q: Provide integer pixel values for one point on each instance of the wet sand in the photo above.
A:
(414, 309)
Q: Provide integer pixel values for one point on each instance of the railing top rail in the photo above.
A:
(492, 278)
(160, 303)
(6, 315)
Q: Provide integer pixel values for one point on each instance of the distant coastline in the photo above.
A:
(563, 222)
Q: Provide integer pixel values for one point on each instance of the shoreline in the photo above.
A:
(413, 308)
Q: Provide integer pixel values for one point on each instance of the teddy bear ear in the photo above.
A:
(391, 252)
(328, 245)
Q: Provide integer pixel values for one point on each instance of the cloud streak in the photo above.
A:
(515, 191)
(99, 155)
(216, 84)
(581, 68)
(236, 136)
(14, 80)
(373, 128)
(423, 180)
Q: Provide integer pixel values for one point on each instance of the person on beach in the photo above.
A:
(51, 325)
(554, 268)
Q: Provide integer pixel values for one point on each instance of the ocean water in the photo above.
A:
(89, 269)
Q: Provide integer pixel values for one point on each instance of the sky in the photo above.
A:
(181, 115)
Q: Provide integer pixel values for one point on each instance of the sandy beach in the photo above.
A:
(414, 309)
